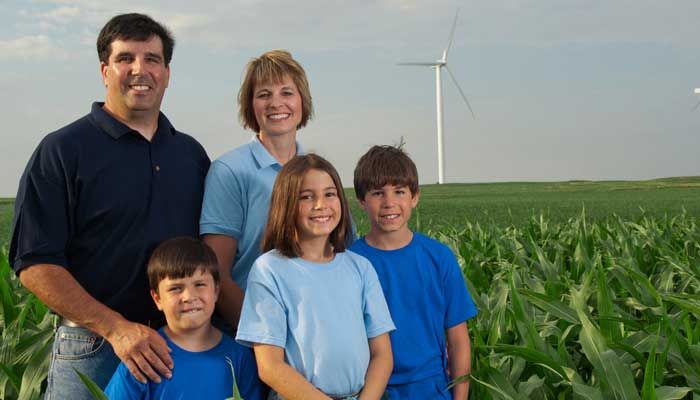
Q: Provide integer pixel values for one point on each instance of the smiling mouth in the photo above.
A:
(321, 219)
(190, 311)
(389, 216)
(140, 87)
(278, 117)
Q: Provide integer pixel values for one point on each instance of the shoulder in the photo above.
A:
(268, 264)
(69, 135)
(191, 143)
(352, 257)
(430, 245)
(238, 159)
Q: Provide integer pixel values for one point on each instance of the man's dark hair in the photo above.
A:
(180, 258)
(139, 27)
(385, 165)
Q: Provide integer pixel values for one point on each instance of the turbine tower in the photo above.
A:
(438, 65)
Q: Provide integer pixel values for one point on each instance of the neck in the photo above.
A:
(316, 250)
(389, 240)
(145, 124)
(200, 339)
(283, 147)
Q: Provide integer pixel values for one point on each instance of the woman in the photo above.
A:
(274, 101)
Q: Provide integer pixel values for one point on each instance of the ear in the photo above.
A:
(361, 202)
(156, 299)
(217, 289)
(167, 75)
(414, 199)
(103, 72)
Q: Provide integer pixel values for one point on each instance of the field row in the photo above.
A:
(602, 310)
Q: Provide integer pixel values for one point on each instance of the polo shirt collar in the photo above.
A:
(263, 157)
(116, 129)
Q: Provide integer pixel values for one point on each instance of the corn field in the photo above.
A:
(572, 310)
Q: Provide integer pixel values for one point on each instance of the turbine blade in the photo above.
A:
(452, 36)
(460, 91)
(428, 64)
(696, 106)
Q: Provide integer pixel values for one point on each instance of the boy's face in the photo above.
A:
(187, 303)
(389, 208)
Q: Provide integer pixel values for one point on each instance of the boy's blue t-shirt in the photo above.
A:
(196, 375)
(426, 294)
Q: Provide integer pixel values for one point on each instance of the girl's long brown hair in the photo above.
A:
(281, 231)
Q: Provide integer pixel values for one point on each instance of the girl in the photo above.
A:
(313, 312)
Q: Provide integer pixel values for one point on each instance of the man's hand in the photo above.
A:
(143, 350)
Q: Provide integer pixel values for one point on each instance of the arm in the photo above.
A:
(459, 358)
(230, 296)
(141, 348)
(281, 377)
(381, 362)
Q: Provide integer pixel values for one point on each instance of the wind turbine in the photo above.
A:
(438, 65)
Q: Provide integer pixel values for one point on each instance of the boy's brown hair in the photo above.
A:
(281, 232)
(385, 165)
(179, 258)
(272, 67)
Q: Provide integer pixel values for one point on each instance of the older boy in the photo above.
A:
(184, 278)
(421, 279)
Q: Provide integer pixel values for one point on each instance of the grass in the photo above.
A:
(504, 204)
(6, 212)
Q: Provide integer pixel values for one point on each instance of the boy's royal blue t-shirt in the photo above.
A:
(196, 375)
(426, 294)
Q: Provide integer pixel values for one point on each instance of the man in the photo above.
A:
(96, 197)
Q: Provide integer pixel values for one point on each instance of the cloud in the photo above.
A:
(29, 47)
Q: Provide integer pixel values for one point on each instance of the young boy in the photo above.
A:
(421, 279)
(184, 279)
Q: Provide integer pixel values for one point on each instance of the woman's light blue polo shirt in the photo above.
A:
(236, 201)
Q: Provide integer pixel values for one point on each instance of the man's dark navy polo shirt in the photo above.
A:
(96, 198)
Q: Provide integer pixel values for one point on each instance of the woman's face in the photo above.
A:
(277, 107)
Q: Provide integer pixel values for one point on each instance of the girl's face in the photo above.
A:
(277, 107)
(319, 206)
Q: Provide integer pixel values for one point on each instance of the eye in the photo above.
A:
(201, 284)
(153, 59)
(122, 58)
(331, 194)
(262, 95)
(400, 191)
(174, 289)
(376, 193)
(305, 196)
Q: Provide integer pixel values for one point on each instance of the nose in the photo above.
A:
(320, 203)
(137, 66)
(388, 200)
(187, 295)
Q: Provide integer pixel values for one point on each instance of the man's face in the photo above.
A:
(135, 77)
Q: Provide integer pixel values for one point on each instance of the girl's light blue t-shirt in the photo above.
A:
(321, 314)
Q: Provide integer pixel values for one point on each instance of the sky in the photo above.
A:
(561, 89)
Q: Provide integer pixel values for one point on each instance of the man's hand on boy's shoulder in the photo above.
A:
(143, 351)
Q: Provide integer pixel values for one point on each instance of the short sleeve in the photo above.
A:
(42, 221)
(223, 206)
(263, 317)
(246, 374)
(123, 386)
(376, 312)
(459, 304)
